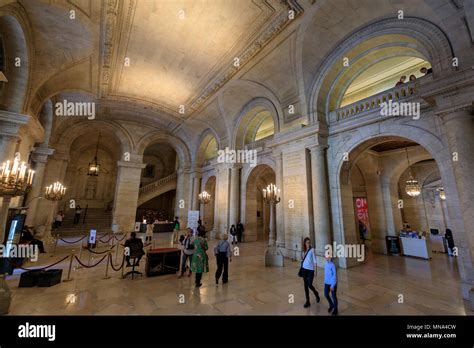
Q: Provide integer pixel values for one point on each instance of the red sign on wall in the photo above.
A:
(362, 214)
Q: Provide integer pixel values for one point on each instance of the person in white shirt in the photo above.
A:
(149, 232)
(308, 268)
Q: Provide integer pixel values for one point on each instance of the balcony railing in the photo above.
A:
(373, 102)
(157, 183)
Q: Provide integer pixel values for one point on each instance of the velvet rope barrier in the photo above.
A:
(119, 240)
(65, 241)
(38, 269)
(112, 264)
(100, 252)
(83, 265)
(108, 240)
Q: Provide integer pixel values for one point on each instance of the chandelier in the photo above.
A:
(15, 178)
(271, 194)
(412, 187)
(94, 166)
(441, 193)
(204, 197)
(55, 192)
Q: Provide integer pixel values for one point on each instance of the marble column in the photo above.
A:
(184, 194)
(126, 195)
(459, 126)
(280, 215)
(40, 158)
(322, 229)
(393, 218)
(196, 190)
(234, 195)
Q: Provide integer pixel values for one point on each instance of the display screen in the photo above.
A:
(14, 232)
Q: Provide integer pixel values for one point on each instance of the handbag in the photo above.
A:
(300, 272)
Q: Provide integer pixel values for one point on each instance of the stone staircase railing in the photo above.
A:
(373, 102)
(159, 182)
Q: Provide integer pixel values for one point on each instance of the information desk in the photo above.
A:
(162, 261)
(416, 247)
(159, 228)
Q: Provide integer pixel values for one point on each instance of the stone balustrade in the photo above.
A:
(157, 183)
(373, 102)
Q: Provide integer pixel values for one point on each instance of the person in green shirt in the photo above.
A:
(200, 261)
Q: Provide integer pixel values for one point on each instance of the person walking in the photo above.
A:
(188, 251)
(330, 284)
(233, 233)
(176, 228)
(240, 231)
(450, 241)
(308, 270)
(58, 220)
(200, 260)
(223, 256)
(77, 215)
(149, 231)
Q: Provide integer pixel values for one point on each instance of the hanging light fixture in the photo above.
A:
(15, 178)
(54, 192)
(94, 166)
(412, 187)
(441, 193)
(204, 197)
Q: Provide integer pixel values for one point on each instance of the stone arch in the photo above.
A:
(206, 137)
(246, 119)
(64, 140)
(252, 179)
(414, 34)
(162, 137)
(16, 35)
(369, 136)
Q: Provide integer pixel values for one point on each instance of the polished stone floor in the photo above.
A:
(428, 287)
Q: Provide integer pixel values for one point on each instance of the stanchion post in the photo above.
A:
(55, 244)
(123, 264)
(116, 253)
(69, 271)
(80, 256)
(109, 259)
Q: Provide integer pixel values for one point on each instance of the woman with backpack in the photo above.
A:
(233, 233)
(308, 270)
(200, 260)
(223, 256)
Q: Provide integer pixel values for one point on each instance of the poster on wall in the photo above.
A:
(362, 215)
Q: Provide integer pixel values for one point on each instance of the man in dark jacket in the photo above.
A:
(240, 231)
(135, 249)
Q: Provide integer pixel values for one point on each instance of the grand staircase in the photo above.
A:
(157, 188)
(97, 219)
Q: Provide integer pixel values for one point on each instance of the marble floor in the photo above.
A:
(428, 287)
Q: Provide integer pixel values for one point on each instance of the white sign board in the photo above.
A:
(193, 217)
(137, 226)
(92, 235)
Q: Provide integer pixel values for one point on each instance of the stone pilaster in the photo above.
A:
(196, 190)
(126, 195)
(459, 128)
(322, 227)
(184, 194)
(280, 216)
(234, 195)
(40, 158)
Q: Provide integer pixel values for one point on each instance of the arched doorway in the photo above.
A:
(157, 182)
(256, 211)
(378, 171)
